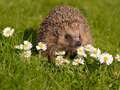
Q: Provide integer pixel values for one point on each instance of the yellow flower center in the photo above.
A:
(41, 45)
(95, 51)
(80, 50)
(105, 59)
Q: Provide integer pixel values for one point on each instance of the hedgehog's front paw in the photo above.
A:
(73, 54)
(51, 53)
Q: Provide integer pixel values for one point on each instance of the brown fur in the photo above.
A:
(62, 28)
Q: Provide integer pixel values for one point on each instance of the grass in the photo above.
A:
(104, 19)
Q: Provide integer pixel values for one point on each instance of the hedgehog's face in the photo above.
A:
(70, 39)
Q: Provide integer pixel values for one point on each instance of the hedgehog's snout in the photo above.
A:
(77, 43)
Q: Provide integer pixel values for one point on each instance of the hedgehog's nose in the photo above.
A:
(78, 43)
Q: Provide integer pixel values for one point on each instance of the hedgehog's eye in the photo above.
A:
(68, 37)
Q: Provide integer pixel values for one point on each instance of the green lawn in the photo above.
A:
(104, 19)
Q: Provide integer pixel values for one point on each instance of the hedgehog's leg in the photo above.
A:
(73, 54)
(51, 53)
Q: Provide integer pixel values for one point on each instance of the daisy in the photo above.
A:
(66, 61)
(106, 58)
(26, 54)
(117, 57)
(27, 45)
(81, 51)
(7, 32)
(41, 46)
(60, 53)
(78, 61)
(60, 61)
(88, 47)
(59, 58)
(19, 46)
(95, 53)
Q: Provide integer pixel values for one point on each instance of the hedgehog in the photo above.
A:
(64, 29)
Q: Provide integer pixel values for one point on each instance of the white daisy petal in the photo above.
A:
(88, 47)
(117, 57)
(8, 31)
(81, 51)
(60, 60)
(60, 53)
(27, 45)
(95, 53)
(66, 61)
(26, 54)
(74, 63)
(78, 61)
(37, 47)
(106, 58)
(19, 46)
(41, 46)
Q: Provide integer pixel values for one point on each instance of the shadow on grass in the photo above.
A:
(92, 65)
(30, 34)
